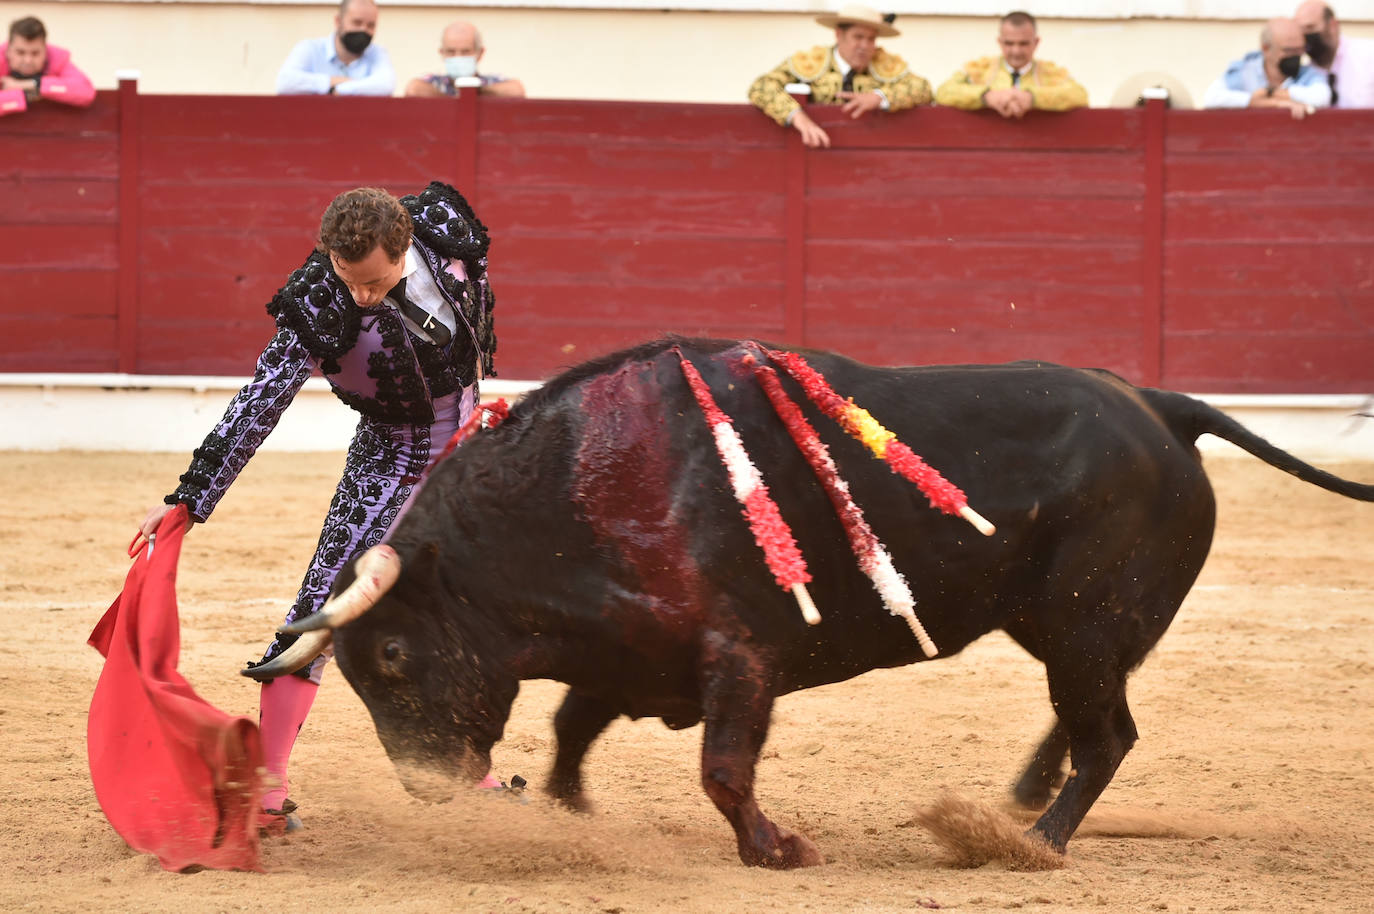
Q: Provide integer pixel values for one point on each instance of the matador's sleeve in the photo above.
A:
(282, 369)
(902, 88)
(907, 91)
(768, 93)
(964, 90)
(1054, 89)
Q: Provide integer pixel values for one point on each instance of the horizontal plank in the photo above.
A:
(1259, 171)
(64, 156)
(225, 294)
(523, 303)
(954, 306)
(56, 120)
(604, 212)
(541, 352)
(959, 220)
(1278, 310)
(35, 342)
(230, 119)
(1340, 268)
(543, 121)
(58, 247)
(1271, 218)
(59, 200)
(1215, 361)
(699, 263)
(371, 160)
(1016, 172)
(1118, 352)
(291, 205)
(1272, 130)
(916, 261)
(59, 294)
(209, 346)
(948, 128)
(621, 165)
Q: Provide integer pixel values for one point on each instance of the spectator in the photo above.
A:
(344, 63)
(855, 70)
(1015, 82)
(1272, 77)
(1348, 62)
(461, 49)
(32, 69)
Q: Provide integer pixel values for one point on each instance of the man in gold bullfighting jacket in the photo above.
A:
(1015, 82)
(855, 71)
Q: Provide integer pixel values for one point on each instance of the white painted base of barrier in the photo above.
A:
(118, 412)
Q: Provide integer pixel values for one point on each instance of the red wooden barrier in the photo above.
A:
(1205, 251)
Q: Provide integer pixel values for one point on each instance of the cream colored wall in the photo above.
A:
(595, 54)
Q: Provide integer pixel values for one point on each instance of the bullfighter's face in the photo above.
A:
(1018, 44)
(370, 278)
(856, 44)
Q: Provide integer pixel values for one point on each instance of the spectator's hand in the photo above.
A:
(1259, 98)
(1297, 109)
(1008, 102)
(1281, 94)
(23, 85)
(336, 81)
(857, 104)
(812, 134)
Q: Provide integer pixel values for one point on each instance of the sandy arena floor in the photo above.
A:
(1251, 789)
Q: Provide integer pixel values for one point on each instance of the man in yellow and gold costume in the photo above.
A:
(1014, 82)
(855, 72)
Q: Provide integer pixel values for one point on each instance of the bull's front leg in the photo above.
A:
(737, 705)
(578, 723)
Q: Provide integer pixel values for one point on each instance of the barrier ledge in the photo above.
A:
(124, 412)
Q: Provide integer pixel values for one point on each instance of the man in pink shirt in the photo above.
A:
(31, 69)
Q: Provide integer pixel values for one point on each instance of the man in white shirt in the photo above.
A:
(1348, 62)
(344, 63)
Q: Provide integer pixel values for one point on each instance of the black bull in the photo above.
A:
(594, 539)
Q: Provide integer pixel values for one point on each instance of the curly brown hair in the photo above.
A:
(359, 220)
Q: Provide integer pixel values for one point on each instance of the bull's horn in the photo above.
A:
(306, 649)
(377, 569)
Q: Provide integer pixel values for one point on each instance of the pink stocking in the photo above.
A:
(284, 704)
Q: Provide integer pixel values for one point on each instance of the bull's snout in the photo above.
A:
(426, 783)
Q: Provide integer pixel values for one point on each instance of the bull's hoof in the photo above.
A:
(792, 851)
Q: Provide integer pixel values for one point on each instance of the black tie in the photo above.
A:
(1331, 81)
(848, 85)
(1015, 78)
(424, 320)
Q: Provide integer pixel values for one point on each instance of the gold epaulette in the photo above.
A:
(978, 70)
(807, 65)
(886, 67)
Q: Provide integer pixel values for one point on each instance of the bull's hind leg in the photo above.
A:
(579, 721)
(737, 705)
(1044, 771)
(1101, 732)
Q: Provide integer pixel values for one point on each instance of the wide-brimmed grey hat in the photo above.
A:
(853, 14)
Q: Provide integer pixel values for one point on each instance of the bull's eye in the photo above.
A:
(392, 651)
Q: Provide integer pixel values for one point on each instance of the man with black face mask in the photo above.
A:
(1348, 62)
(344, 63)
(1272, 77)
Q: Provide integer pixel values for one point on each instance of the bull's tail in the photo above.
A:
(1190, 418)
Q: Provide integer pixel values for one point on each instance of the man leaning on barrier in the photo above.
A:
(854, 71)
(346, 62)
(1015, 82)
(31, 69)
(1272, 77)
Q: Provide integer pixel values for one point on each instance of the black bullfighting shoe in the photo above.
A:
(287, 814)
